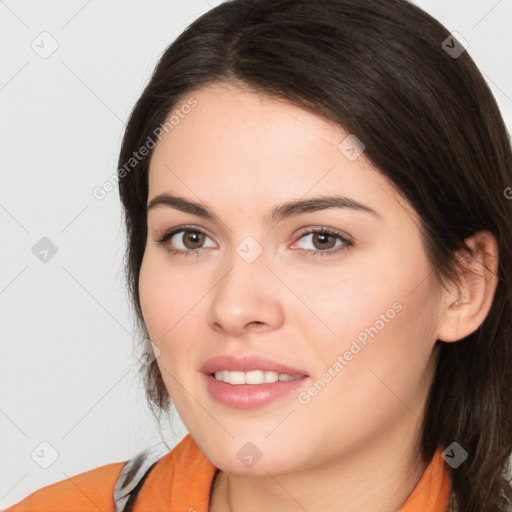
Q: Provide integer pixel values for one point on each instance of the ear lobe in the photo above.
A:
(465, 305)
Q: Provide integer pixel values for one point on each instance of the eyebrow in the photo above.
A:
(280, 212)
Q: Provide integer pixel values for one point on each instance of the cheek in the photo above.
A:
(385, 342)
(174, 315)
(167, 296)
(153, 297)
(336, 304)
(360, 386)
(380, 317)
(167, 300)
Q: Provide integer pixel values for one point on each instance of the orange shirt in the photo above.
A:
(181, 481)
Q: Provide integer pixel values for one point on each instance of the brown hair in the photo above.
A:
(429, 124)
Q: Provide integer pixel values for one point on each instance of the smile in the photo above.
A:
(252, 377)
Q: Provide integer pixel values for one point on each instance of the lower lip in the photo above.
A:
(250, 396)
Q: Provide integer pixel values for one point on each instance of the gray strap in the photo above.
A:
(134, 470)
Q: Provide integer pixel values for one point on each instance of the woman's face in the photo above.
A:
(359, 318)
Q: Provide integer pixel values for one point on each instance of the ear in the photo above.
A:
(464, 305)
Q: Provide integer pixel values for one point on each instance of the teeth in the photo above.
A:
(252, 377)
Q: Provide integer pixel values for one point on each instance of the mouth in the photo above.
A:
(248, 382)
(249, 364)
(253, 377)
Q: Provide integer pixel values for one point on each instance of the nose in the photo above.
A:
(246, 297)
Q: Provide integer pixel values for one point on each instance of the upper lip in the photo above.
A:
(246, 364)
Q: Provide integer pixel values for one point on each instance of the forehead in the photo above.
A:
(239, 147)
(239, 119)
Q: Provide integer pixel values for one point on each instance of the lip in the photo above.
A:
(249, 396)
(248, 363)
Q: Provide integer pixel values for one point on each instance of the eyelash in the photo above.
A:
(180, 252)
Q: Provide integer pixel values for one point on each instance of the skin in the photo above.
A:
(354, 445)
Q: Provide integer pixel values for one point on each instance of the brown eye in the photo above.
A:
(184, 240)
(193, 239)
(324, 240)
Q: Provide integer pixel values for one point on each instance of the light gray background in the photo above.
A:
(67, 369)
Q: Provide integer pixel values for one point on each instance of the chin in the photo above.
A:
(242, 457)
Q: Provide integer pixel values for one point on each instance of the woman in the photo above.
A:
(319, 253)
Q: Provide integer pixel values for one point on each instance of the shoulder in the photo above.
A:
(181, 480)
(173, 477)
(91, 490)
